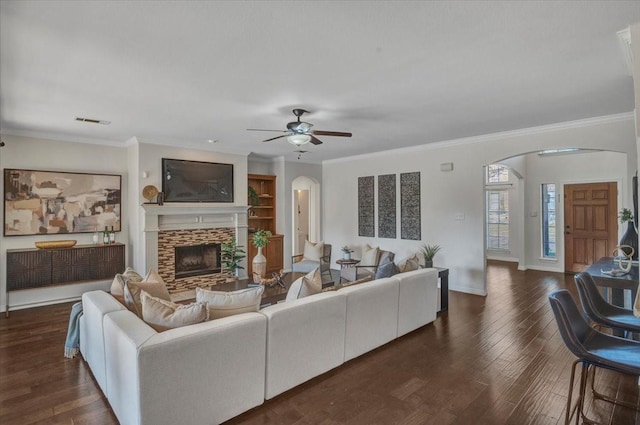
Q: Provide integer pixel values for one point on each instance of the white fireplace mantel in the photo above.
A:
(189, 216)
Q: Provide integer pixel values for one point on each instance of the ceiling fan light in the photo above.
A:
(299, 139)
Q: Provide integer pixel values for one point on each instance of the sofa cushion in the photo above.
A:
(223, 303)
(409, 264)
(306, 285)
(386, 269)
(304, 266)
(369, 255)
(154, 286)
(313, 251)
(117, 286)
(162, 315)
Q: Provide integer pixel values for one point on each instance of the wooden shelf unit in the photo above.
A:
(263, 216)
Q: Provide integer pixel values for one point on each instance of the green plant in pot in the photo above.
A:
(428, 252)
(630, 237)
(252, 196)
(259, 264)
(346, 252)
(231, 255)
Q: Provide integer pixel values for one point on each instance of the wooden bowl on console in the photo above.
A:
(55, 244)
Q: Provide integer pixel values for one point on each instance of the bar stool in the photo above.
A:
(592, 348)
(600, 311)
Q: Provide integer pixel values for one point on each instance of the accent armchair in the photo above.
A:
(300, 264)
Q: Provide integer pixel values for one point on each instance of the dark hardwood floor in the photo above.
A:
(489, 360)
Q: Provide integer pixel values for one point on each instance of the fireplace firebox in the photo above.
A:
(197, 260)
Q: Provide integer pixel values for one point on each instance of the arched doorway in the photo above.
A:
(305, 213)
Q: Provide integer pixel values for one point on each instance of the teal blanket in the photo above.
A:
(72, 344)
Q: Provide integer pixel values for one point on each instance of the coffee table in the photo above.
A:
(271, 295)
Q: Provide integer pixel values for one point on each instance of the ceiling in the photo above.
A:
(395, 74)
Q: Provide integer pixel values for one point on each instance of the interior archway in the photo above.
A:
(533, 170)
(305, 213)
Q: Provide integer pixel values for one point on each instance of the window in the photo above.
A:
(497, 219)
(548, 220)
(497, 173)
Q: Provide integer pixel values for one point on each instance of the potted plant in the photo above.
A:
(259, 263)
(630, 237)
(428, 252)
(231, 254)
(252, 196)
(346, 252)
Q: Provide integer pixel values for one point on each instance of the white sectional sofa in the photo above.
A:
(210, 372)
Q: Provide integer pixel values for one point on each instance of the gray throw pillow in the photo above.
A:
(387, 269)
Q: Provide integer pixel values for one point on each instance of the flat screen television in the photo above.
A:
(195, 181)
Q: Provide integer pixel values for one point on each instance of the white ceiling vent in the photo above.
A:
(92, 121)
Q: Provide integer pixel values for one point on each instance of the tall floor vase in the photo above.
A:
(259, 265)
(630, 238)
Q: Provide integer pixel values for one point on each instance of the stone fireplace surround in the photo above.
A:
(168, 225)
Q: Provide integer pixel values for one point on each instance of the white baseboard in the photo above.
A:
(39, 304)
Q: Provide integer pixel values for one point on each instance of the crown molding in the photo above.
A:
(624, 37)
(64, 138)
(588, 122)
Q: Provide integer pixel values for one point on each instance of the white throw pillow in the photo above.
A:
(369, 255)
(223, 303)
(409, 264)
(162, 314)
(117, 286)
(154, 287)
(313, 251)
(307, 285)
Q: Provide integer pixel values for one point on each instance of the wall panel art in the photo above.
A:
(387, 206)
(410, 206)
(51, 202)
(366, 225)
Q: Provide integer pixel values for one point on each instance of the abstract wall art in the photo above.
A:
(52, 202)
(410, 206)
(366, 225)
(387, 206)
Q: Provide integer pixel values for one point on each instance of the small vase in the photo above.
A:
(428, 264)
(259, 264)
(630, 238)
(346, 256)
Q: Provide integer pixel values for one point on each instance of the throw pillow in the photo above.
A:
(223, 304)
(313, 251)
(154, 287)
(409, 264)
(307, 285)
(162, 314)
(117, 286)
(386, 269)
(369, 255)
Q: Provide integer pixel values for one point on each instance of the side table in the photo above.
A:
(346, 263)
(443, 274)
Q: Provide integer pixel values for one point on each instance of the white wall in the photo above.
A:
(567, 169)
(446, 194)
(39, 154)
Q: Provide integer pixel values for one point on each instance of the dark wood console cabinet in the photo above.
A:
(37, 268)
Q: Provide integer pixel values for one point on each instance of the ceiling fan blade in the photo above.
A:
(274, 138)
(331, 133)
(315, 141)
(260, 129)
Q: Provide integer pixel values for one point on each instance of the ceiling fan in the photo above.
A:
(299, 132)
